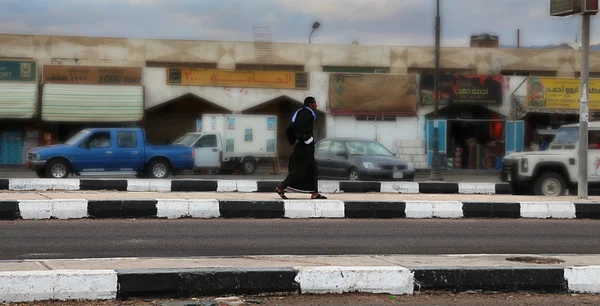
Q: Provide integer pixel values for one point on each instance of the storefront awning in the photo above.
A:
(18, 100)
(92, 103)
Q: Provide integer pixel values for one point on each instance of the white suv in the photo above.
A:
(555, 171)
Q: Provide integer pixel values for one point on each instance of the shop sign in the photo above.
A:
(372, 94)
(462, 89)
(560, 94)
(236, 78)
(18, 71)
(92, 75)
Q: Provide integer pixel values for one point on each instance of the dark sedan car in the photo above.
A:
(360, 160)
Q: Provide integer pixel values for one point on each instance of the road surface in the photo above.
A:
(221, 237)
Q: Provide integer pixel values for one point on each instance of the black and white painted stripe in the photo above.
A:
(290, 209)
(23, 286)
(145, 185)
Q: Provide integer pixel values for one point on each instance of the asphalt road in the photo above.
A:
(219, 237)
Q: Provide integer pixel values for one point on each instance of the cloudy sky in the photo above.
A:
(387, 22)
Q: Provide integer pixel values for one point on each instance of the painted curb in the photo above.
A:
(290, 209)
(25, 286)
(148, 185)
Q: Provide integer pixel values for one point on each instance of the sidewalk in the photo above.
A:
(118, 278)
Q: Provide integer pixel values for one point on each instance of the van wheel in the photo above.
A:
(550, 184)
(57, 169)
(159, 169)
(248, 166)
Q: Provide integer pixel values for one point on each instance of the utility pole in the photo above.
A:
(582, 190)
(436, 174)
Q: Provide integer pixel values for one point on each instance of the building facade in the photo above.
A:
(376, 92)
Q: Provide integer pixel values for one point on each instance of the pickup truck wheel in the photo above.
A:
(550, 184)
(158, 169)
(248, 166)
(57, 169)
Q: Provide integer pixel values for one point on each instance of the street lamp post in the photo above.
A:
(436, 174)
(315, 26)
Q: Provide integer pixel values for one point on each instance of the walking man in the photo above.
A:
(302, 168)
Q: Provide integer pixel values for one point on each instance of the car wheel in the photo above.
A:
(41, 173)
(550, 184)
(248, 166)
(159, 169)
(57, 169)
(353, 175)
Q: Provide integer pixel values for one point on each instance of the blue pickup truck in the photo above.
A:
(114, 151)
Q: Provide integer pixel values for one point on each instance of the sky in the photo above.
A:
(369, 22)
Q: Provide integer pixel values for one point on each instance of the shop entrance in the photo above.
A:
(471, 138)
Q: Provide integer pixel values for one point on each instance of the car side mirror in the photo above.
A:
(394, 154)
(85, 145)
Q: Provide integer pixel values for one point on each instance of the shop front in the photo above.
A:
(549, 103)
(78, 97)
(472, 135)
(18, 110)
(380, 107)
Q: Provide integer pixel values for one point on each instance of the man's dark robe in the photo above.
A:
(302, 168)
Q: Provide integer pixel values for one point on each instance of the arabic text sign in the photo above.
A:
(463, 89)
(92, 75)
(18, 70)
(230, 78)
(564, 7)
(557, 93)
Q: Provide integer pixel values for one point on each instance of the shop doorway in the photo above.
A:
(471, 138)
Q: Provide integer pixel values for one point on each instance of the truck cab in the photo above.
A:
(555, 171)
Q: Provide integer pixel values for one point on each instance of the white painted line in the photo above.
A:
(536, 210)
(330, 279)
(400, 187)
(146, 185)
(583, 279)
(43, 184)
(299, 209)
(28, 286)
(226, 186)
(172, 209)
(70, 209)
(476, 188)
(205, 208)
(246, 186)
(448, 210)
(564, 210)
(329, 187)
(35, 209)
(419, 209)
(330, 209)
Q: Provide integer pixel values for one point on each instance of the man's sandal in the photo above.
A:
(281, 193)
(318, 196)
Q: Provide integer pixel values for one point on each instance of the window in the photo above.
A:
(337, 149)
(594, 140)
(323, 148)
(207, 141)
(127, 139)
(369, 148)
(98, 140)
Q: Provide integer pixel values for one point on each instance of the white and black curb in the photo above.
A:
(145, 185)
(24, 286)
(290, 209)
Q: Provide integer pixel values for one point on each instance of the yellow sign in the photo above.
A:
(234, 78)
(557, 93)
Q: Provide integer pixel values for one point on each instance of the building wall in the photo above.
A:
(135, 52)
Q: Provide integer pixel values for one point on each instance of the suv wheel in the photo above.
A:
(550, 184)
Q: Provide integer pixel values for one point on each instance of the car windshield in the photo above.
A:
(367, 148)
(566, 135)
(78, 137)
(186, 140)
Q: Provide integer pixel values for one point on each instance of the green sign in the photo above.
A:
(18, 71)
(563, 7)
